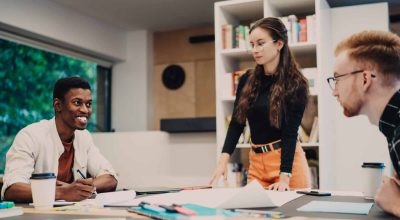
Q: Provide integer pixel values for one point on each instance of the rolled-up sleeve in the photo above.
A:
(19, 161)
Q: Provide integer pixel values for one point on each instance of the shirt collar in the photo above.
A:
(390, 118)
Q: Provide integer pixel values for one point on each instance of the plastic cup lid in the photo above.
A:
(373, 165)
(40, 176)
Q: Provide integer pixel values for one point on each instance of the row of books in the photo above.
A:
(299, 30)
(310, 73)
(235, 36)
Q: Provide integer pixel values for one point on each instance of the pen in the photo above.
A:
(184, 210)
(83, 177)
(262, 212)
(151, 207)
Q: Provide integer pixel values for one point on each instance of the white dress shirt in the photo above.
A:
(37, 148)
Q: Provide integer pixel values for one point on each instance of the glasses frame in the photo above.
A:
(332, 81)
(259, 47)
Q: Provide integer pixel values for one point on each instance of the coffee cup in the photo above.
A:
(373, 173)
(43, 186)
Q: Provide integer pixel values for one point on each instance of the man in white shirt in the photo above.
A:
(62, 146)
(367, 82)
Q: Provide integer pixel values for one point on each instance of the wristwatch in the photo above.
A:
(286, 173)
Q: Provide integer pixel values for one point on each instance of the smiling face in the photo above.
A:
(348, 89)
(75, 109)
(264, 49)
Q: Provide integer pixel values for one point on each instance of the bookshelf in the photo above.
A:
(243, 12)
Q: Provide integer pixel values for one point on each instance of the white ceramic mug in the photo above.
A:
(43, 187)
(373, 173)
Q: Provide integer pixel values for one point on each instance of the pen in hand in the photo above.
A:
(84, 177)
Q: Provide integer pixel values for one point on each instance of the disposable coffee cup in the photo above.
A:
(373, 173)
(43, 187)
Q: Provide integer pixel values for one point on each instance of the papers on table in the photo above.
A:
(252, 195)
(110, 198)
(337, 207)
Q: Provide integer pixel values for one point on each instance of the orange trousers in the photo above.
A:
(265, 167)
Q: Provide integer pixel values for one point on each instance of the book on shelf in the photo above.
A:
(235, 80)
(235, 36)
(314, 131)
(300, 29)
(303, 136)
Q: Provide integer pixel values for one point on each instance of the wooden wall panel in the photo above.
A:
(205, 88)
(178, 103)
(174, 46)
(196, 98)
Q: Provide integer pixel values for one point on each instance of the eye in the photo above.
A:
(77, 102)
(88, 105)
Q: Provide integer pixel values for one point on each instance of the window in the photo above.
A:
(27, 77)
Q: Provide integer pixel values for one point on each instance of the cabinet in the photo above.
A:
(309, 54)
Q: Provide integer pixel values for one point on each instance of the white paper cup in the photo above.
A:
(373, 173)
(43, 187)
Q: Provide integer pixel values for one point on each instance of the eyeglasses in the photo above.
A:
(259, 46)
(332, 81)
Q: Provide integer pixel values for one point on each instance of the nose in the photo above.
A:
(84, 109)
(335, 92)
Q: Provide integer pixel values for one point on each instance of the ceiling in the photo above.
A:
(155, 15)
(164, 15)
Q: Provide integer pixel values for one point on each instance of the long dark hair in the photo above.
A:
(289, 79)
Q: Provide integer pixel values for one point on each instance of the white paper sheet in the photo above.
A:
(250, 196)
(115, 197)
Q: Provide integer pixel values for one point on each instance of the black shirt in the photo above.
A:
(262, 132)
(389, 125)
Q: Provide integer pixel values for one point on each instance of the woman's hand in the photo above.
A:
(222, 169)
(282, 184)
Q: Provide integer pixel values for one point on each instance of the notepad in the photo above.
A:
(337, 207)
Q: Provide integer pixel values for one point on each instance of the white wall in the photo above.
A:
(131, 84)
(158, 158)
(357, 141)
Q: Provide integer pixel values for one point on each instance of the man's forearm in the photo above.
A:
(19, 192)
(105, 183)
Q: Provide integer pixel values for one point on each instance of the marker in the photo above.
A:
(151, 207)
(184, 210)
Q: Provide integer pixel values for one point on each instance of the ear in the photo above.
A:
(367, 80)
(57, 104)
(280, 44)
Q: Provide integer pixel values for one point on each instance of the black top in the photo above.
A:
(260, 128)
(389, 125)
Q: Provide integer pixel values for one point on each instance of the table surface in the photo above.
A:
(288, 209)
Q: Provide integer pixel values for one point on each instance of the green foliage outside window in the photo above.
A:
(27, 77)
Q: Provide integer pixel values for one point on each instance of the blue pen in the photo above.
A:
(151, 207)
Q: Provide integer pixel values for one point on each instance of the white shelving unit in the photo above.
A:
(237, 12)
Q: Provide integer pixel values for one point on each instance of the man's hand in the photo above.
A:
(388, 195)
(77, 191)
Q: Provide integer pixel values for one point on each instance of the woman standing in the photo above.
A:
(272, 97)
